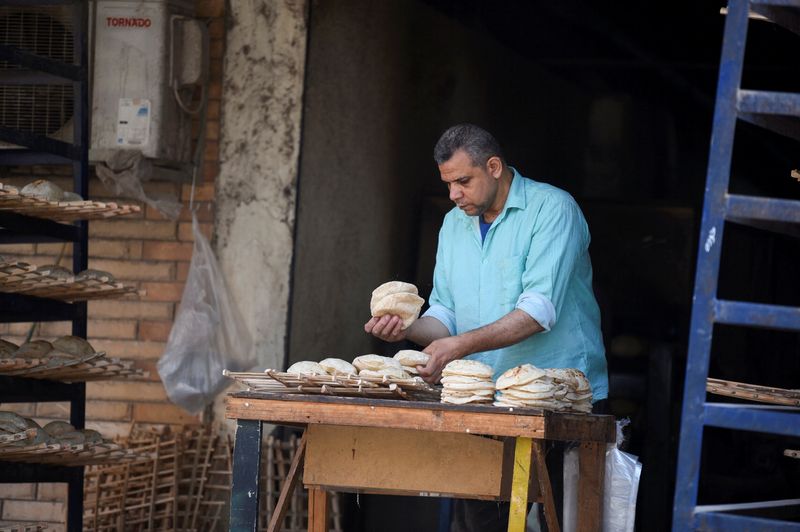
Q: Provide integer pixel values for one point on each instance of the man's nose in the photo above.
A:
(455, 192)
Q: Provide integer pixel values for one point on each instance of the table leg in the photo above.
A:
(246, 468)
(518, 511)
(317, 510)
(592, 469)
(550, 515)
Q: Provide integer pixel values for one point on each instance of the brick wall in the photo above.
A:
(145, 250)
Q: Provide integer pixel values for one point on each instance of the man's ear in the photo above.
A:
(495, 167)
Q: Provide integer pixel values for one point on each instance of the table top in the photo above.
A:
(294, 409)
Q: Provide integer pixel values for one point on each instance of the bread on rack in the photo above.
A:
(73, 345)
(306, 367)
(337, 366)
(56, 271)
(94, 275)
(43, 189)
(410, 359)
(34, 349)
(7, 348)
(374, 362)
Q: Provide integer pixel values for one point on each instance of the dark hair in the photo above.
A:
(479, 144)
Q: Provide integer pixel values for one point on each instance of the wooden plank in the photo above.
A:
(546, 488)
(412, 461)
(317, 510)
(518, 510)
(288, 488)
(591, 468)
(383, 415)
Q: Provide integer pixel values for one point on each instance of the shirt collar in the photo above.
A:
(515, 200)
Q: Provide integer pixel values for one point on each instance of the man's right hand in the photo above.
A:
(388, 328)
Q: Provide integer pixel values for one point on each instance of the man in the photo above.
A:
(512, 282)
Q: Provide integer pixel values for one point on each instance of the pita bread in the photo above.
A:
(392, 287)
(524, 396)
(395, 373)
(469, 368)
(43, 189)
(7, 348)
(306, 367)
(375, 362)
(486, 385)
(403, 304)
(34, 349)
(519, 375)
(461, 379)
(409, 357)
(466, 400)
(55, 271)
(73, 345)
(411, 370)
(337, 366)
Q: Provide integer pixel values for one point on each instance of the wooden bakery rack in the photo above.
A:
(363, 445)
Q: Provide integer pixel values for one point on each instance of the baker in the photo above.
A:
(513, 278)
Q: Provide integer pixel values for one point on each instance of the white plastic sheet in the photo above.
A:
(208, 334)
(620, 488)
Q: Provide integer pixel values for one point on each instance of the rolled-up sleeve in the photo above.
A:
(560, 236)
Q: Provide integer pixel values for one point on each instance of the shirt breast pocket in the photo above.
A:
(510, 270)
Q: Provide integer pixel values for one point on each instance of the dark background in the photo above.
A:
(611, 101)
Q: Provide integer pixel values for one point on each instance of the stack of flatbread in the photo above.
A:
(467, 381)
(551, 389)
(398, 299)
(410, 359)
(379, 366)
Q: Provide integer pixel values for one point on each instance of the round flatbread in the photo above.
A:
(95, 275)
(53, 270)
(43, 189)
(519, 375)
(409, 357)
(461, 379)
(34, 349)
(73, 345)
(7, 348)
(57, 428)
(337, 366)
(392, 287)
(486, 385)
(412, 370)
(479, 399)
(375, 362)
(403, 304)
(395, 373)
(306, 367)
(468, 368)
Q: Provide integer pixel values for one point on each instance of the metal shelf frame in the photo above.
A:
(777, 111)
(14, 228)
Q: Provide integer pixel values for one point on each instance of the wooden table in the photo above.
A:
(415, 448)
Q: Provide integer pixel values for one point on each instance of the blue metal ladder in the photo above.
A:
(770, 110)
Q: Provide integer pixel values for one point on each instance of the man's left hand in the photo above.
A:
(442, 352)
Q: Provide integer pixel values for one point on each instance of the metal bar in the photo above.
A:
(26, 3)
(41, 63)
(39, 143)
(740, 417)
(732, 523)
(768, 102)
(783, 3)
(708, 259)
(757, 315)
(746, 506)
(31, 229)
(21, 390)
(24, 472)
(22, 157)
(245, 485)
(771, 209)
(29, 77)
(20, 308)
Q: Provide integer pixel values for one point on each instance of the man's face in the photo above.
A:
(472, 188)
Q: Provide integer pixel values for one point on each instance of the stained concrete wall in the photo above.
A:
(259, 149)
(384, 80)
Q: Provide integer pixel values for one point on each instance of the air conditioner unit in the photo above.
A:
(144, 53)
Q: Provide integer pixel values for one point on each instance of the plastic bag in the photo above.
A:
(208, 334)
(620, 487)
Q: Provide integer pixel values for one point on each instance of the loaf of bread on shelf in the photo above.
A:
(71, 196)
(97, 275)
(54, 270)
(34, 349)
(7, 348)
(73, 345)
(43, 189)
(57, 428)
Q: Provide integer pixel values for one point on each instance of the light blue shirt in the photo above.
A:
(535, 258)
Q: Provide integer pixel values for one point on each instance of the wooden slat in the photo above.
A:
(288, 488)
(592, 468)
(317, 510)
(61, 211)
(279, 411)
(545, 487)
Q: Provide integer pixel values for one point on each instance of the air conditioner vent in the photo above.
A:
(41, 109)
